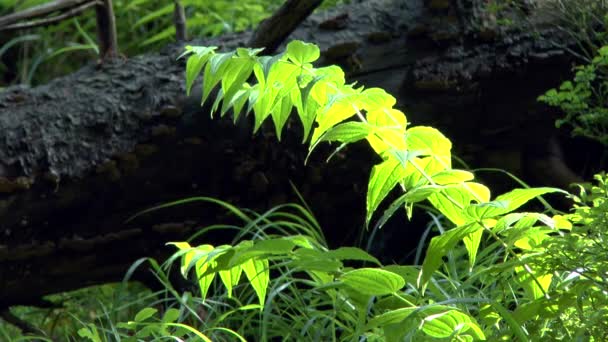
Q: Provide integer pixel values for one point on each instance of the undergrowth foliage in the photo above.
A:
(583, 100)
(473, 275)
(494, 273)
(142, 26)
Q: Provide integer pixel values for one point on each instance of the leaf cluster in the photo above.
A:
(584, 99)
(415, 160)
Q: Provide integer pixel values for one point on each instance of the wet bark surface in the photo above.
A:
(83, 153)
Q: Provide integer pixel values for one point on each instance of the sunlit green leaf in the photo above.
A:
(213, 72)
(471, 243)
(440, 246)
(144, 314)
(446, 322)
(413, 196)
(302, 53)
(506, 203)
(429, 141)
(347, 132)
(383, 179)
(280, 114)
(230, 278)
(195, 63)
(373, 281)
(258, 273)
(377, 99)
(454, 198)
(452, 176)
(339, 108)
(535, 285)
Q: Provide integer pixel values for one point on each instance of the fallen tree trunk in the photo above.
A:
(80, 155)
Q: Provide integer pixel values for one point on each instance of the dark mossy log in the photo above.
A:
(80, 155)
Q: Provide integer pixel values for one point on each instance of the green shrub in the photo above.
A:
(461, 297)
(584, 99)
(580, 260)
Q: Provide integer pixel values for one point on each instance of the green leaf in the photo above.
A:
(471, 243)
(260, 249)
(195, 63)
(390, 317)
(302, 53)
(280, 114)
(412, 196)
(144, 314)
(146, 331)
(547, 308)
(306, 105)
(275, 95)
(204, 281)
(238, 70)
(230, 278)
(445, 322)
(339, 108)
(505, 203)
(258, 273)
(171, 315)
(307, 112)
(535, 285)
(429, 141)
(315, 260)
(452, 177)
(262, 107)
(347, 132)
(213, 73)
(383, 179)
(266, 63)
(90, 332)
(408, 273)
(388, 128)
(440, 246)
(529, 238)
(237, 102)
(373, 281)
(453, 198)
(203, 259)
(275, 246)
(352, 253)
(375, 99)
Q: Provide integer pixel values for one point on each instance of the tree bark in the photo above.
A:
(80, 155)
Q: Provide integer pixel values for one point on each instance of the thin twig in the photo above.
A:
(41, 11)
(70, 13)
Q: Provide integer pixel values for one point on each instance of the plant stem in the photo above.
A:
(106, 30)
(179, 20)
